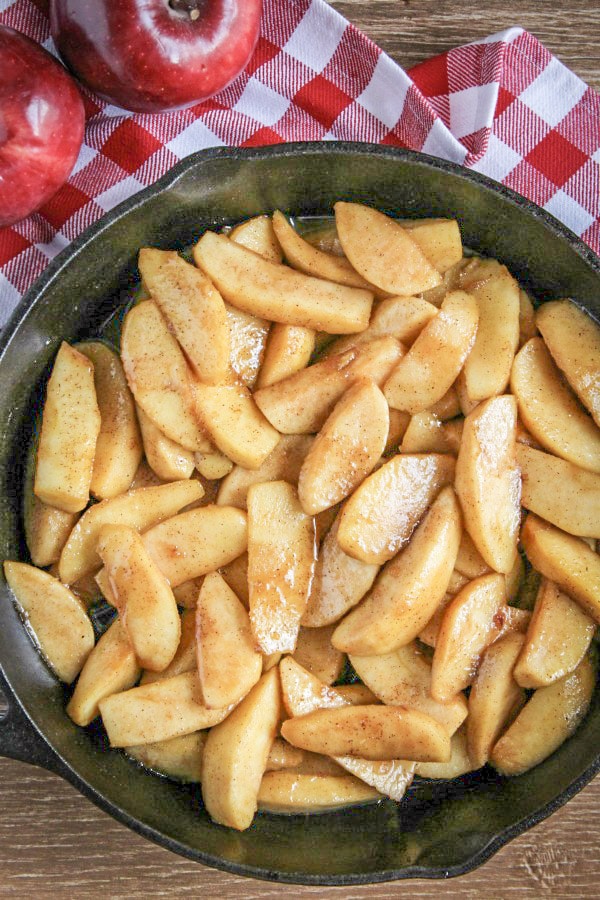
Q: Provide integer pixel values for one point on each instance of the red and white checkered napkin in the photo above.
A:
(503, 106)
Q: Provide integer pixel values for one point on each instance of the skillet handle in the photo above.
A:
(19, 739)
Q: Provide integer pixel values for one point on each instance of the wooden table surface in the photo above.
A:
(54, 843)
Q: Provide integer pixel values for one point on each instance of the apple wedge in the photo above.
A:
(383, 252)
(346, 449)
(281, 562)
(185, 655)
(235, 423)
(159, 376)
(573, 339)
(247, 341)
(469, 560)
(119, 444)
(426, 433)
(193, 308)
(315, 653)
(197, 542)
(307, 258)
(236, 753)
(143, 597)
(70, 428)
(56, 618)
(179, 758)
(140, 508)
(400, 317)
(432, 364)
(169, 460)
(439, 240)
(495, 697)
(488, 366)
(340, 582)
(295, 792)
(379, 518)
(550, 717)
(279, 293)
(47, 529)
(258, 234)
(303, 693)
(235, 574)
(403, 678)
(370, 732)
(467, 629)
(488, 481)
(301, 403)
(284, 462)
(289, 349)
(560, 492)
(110, 668)
(228, 664)
(557, 639)
(409, 587)
(550, 410)
(458, 764)
(283, 756)
(565, 559)
(158, 711)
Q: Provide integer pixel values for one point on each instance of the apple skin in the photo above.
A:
(146, 56)
(41, 125)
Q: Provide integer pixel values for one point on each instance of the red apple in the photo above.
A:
(155, 55)
(41, 125)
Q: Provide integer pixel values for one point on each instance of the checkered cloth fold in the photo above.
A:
(503, 106)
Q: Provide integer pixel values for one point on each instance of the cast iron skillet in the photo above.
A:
(441, 829)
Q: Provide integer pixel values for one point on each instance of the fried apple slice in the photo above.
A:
(193, 308)
(400, 317)
(236, 753)
(307, 258)
(550, 717)
(573, 339)
(258, 234)
(382, 251)
(550, 410)
(488, 366)
(185, 655)
(488, 482)
(301, 403)
(458, 764)
(432, 364)
(426, 433)
(283, 756)
(558, 637)
(57, 619)
(403, 678)
(370, 732)
(279, 293)
(302, 693)
(465, 632)
(169, 460)
(140, 508)
(70, 427)
(295, 792)
(142, 595)
(379, 518)
(340, 582)
(565, 559)
(228, 664)
(247, 340)
(469, 560)
(110, 668)
(346, 449)
(179, 758)
(289, 349)
(158, 711)
(197, 542)
(409, 588)
(159, 377)
(527, 319)
(315, 653)
(560, 492)
(235, 423)
(281, 561)
(213, 466)
(119, 444)
(284, 462)
(439, 239)
(47, 529)
(495, 697)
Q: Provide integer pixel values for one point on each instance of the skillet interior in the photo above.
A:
(441, 829)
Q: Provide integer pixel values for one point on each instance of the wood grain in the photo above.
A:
(56, 844)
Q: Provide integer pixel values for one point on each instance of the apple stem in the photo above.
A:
(191, 7)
